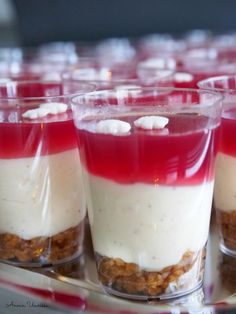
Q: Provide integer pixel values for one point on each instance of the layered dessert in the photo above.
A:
(225, 188)
(149, 184)
(41, 205)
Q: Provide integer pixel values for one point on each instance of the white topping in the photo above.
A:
(151, 122)
(36, 113)
(183, 77)
(112, 126)
(45, 109)
(55, 107)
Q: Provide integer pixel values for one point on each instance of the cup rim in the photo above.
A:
(216, 89)
(67, 75)
(88, 87)
(218, 96)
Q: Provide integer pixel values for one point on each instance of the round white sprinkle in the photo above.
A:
(112, 126)
(151, 122)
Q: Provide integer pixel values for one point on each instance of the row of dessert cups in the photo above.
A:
(141, 160)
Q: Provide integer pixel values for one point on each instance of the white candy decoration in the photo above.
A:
(54, 107)
(112, 126)
(151, 122)
(183, 77)
(44, 109)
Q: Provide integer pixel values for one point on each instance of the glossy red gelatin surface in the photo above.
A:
(21, 137)
(183, 154)
(18, 140)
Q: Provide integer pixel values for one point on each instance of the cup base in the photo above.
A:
(129, 281)
(42, 251)
(160, 297)
(42, 263)
(227, 250)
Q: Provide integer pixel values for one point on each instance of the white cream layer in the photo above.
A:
(150, 225)
(225, 183)
(41, 196)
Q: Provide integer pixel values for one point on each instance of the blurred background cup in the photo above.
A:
(190, 68)
(33, 63)
(42, 203)
(119, 77)
(147, 158)
(225, 184)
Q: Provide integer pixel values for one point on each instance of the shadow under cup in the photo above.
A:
(225, 183)
(147, 160)
(42, 204)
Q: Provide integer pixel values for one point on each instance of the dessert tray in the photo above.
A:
(73, 287)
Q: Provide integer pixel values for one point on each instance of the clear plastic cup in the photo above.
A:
(225, 185)
(42, 203)
(154, 68)
(31, 70)
(147, 158)
(105, 77)
(205, 63)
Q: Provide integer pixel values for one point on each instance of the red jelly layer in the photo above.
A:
(181, 157)
(18, 140)
(31, 89)
(21, 137)
(228, 133)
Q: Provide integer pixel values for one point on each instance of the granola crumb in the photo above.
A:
(42, 250)
(131, 279)
(227, 226)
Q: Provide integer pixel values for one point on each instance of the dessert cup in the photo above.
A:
(225, 184)
(42, 203)
(147, 158)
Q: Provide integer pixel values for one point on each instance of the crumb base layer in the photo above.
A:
(227, 226)
(42, 251)
(130, 281)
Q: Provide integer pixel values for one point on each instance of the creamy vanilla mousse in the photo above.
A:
(149, 185)
(42, 205)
